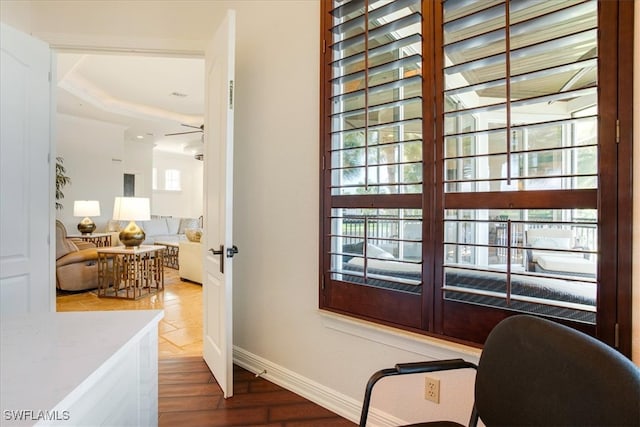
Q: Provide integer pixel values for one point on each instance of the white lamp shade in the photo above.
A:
(86, 208)
(131, 209)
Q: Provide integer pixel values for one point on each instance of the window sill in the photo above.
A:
(430, 348)
(167, 191)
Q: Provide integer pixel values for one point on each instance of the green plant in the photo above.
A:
(61, 181)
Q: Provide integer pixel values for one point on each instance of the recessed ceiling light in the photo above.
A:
(178, 94)
(140, 137)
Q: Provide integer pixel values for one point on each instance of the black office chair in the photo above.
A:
(533, 372)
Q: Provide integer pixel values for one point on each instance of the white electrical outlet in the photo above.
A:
(432, 389)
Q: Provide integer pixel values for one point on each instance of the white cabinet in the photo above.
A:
(80, 368)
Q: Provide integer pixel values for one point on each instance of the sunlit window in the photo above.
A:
(154, 178)
(172, 180)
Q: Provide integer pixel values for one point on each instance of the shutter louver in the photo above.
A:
(520, 118)
(375, 154)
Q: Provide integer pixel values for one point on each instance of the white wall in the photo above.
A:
(96, 157)
(92, 153)
(186, 203)
(137, 160)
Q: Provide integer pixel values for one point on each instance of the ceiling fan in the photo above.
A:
(199, 129)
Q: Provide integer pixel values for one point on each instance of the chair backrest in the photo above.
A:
(535, 372)
(63, 245)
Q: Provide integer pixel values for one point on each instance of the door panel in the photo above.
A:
(26, 258)
(218, 202)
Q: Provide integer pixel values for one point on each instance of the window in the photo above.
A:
(129, 187)
(469, 170)
(172, 180)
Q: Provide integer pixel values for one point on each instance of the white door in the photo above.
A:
(218, 202)
(26, 173)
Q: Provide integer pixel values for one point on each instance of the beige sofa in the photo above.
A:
(190, 259)
(165, 229)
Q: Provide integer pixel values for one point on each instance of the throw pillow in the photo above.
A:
(374, 251)
(155, 227)
(193, 234)
(173, 225)
(187, 223)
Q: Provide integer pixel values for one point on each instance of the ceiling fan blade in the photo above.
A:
(182, 133)
(201, 127)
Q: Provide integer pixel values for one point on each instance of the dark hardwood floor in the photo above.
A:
(190, 396)
(188, 393)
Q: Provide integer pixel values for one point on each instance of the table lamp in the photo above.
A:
(86, 209)
(131, 209)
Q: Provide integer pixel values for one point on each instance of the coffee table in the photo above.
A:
(130, 273)
(171, 254)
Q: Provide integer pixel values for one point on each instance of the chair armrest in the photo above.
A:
(81, 244)
(83, 255)
(433, 366)
(405, 369)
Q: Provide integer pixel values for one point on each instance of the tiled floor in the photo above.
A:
(180, 331)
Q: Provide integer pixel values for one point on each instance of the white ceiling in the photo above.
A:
(109, 63)
(149, 95)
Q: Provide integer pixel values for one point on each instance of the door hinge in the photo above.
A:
(324, 162)
(617, 131)
(322, 282)
(324, 46)
(231, 94)
(616, 339)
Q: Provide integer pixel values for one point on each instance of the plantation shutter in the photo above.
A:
(520, 156)
(373, 160)
(475, 163)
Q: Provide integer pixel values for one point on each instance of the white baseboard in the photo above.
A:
(332, 400)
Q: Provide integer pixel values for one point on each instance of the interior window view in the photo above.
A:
(493, 203)
(320, 213)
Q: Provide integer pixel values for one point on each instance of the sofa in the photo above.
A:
(158, 229)
(554, 251)
(76, 262)
(558, 296)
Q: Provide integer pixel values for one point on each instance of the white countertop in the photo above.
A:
(47, 360)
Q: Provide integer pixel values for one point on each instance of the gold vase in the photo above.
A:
(132, 235)
(86, 226)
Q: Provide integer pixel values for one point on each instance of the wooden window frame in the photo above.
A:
(472, 324)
